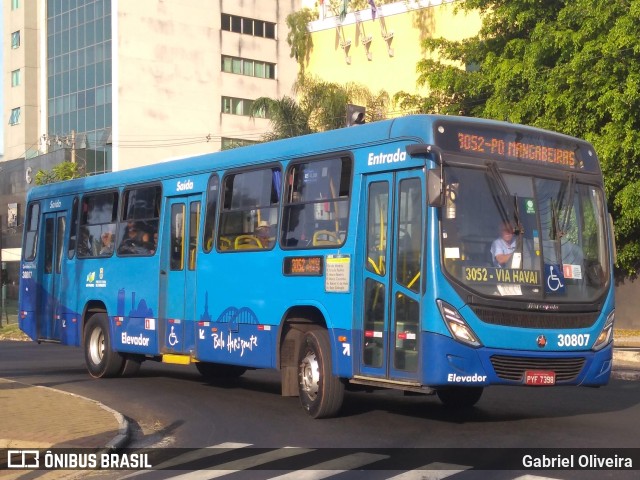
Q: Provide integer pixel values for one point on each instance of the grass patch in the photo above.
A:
(12, 332)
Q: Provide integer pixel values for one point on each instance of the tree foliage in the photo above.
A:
(318, 106)
(62, 171)
(299, 37)
(572, 66)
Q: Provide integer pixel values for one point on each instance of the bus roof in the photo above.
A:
(415, 128)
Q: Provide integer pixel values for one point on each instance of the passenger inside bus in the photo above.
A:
(135, 241)
(263, 233)
(84, 245)
(106, 248)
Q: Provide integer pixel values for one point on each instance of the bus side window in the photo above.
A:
(210, 219)
(98, 217)
(140, 218)
(31, 235)
(249, 212)
(73, 230)
(317, 203)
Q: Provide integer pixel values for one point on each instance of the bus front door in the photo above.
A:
(49, 321)
(393, 277)
(178, 272)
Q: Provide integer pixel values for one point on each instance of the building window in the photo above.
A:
(14, 119)
(15, 4)
(240, 106)
(15, 39)
(15, 78)
(251, 68)
(248, 26)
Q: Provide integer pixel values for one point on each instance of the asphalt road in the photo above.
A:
(171, 406)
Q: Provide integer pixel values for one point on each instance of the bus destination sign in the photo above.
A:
(303, 266)
(506, 144)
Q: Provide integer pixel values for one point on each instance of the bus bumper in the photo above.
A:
(450, 363)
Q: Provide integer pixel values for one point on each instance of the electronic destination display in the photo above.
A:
(499, 143)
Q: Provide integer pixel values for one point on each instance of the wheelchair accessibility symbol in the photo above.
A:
(554, 279)
(173, 338)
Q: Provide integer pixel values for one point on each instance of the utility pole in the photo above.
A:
(73, 146)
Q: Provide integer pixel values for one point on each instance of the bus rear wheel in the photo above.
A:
(101, 360)
(218, 370)
(321, 393)
(460, 397)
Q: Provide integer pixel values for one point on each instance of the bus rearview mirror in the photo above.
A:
(434, 188)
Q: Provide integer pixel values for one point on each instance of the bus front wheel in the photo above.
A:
(321, 393)
(460, 397)
(101, 360)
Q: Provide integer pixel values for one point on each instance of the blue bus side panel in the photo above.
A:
(343, 351)
(70, 329)
(250, 345)
(135, 334)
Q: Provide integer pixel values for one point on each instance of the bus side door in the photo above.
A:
(178, 272)
(49, 320)
(389, 321)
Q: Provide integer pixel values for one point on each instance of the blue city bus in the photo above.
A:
(360, 258)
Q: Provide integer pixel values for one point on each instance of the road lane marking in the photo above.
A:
(243, 464)
(332, 467)
(432, 471)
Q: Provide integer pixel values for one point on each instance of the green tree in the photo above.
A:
(571, 66)
(299, 37)
(287, 118)
(319, 106)
(62, 171)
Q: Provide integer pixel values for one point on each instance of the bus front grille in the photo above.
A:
(514, 318)
(513, 368)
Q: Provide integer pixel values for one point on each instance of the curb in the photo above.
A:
(623, 374)
(124, 432)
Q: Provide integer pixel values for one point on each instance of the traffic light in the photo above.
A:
(355, 115)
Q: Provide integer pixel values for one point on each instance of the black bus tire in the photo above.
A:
(460, 397)
(130, 367)
(101, 360)
(321, 393)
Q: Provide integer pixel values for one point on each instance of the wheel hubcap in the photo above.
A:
(96, 346)
(310, 375)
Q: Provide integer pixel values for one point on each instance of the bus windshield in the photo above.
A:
(522, 237)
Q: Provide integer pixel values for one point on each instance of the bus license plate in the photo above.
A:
(540, 378)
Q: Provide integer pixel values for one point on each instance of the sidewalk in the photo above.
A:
(41, 417)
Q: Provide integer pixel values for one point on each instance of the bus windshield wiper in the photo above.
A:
(565, 207)
(556, 232)
(500, 190)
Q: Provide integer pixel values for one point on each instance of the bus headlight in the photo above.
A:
(456, 325)
(606, 335)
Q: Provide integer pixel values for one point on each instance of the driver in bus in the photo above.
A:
(503, 247)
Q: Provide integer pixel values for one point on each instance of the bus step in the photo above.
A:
(395, 384)
(48, 340)
(176, 359)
